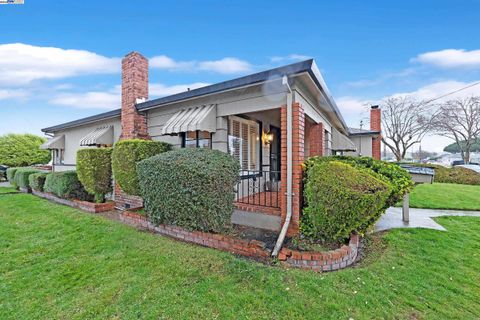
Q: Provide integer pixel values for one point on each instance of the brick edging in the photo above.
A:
(323, 261)
(83, 205)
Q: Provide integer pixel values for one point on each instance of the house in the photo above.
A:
(270, 121)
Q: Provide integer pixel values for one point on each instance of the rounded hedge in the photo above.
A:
(65, 185)
(126, 154)
(341, 199)
(94, 169)
(21, 177)
(18, 150)
(11, 176)
(190, 188)
(36, 181)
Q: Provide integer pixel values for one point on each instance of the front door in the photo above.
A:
(275, 149)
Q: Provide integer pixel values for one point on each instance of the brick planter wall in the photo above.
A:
(83, 205)
(322, 261)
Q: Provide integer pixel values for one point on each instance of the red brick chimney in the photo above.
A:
(376, 125)
(134, 86)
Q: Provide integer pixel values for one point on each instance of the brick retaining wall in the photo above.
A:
(74, 203)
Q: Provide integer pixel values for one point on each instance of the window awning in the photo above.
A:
(54, 143)
(103, 135)
(341, 142)
(201, 118)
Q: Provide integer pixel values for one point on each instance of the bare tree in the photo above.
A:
(405, 121)
(459, 120)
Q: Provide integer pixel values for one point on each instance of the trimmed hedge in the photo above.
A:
(457, 175)
(126, 154)
(36, 181)
(66, 185)
(190, 188)
(398, 178)
(11, 176)
(21, 177)
(94, 168)
(17, 150)
(341, 199)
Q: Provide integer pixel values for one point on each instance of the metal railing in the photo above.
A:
(259, 188)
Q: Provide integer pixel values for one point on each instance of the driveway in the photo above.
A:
(419, 218)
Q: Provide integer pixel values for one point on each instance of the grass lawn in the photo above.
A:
(4, 190)
(59, 263)
(446, 196)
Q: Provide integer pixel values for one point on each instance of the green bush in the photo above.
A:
(36, 181)
(398, 178)
(11, 176)
(457, 175)
(126, 155)
(341, 199)
(66, 185)
(191, 188)
(18, 150)
(94, 167)
(21, 177)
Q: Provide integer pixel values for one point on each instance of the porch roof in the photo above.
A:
(201, 118)
(54, 143)
(102, 135)
(341, 142)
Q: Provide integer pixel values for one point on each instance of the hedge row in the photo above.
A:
(22, 177)
(457, 175)
(66, 185)
(36, 181)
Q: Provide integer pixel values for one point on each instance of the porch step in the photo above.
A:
(256, 220)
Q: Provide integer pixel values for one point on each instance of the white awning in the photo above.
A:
(201, 118)
(54, 143)
(103, 135)
(341, 142)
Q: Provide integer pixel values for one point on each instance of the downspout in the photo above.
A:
(289, 194)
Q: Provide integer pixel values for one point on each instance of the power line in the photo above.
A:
(458, 90)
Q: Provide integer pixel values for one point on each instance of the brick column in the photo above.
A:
(376, 125)
(298, 148)
(315, 138)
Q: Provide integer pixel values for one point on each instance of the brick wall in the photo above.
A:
(315, 138)
(376, 125)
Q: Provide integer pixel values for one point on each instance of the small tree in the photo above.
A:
(459, 120)
(20, 150)
(94, 169)
(405, 121)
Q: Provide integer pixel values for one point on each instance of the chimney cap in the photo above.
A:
(375, 106)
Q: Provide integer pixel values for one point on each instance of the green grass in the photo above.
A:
(60, 263)
(446, 196)
(4, 190)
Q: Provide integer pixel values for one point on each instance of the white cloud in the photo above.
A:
(226, 65)
(161, 90)
(21, 63)
(290, 57)
(438, 89)
(12, 94)
(165, 62)
(450, 58)
(88, 100)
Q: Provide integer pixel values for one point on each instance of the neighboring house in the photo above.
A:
(270, 121)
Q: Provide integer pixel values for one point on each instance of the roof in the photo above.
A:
(361, 132)
(307, 66)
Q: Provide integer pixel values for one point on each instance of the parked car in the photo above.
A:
(3, 172)
(474, 167)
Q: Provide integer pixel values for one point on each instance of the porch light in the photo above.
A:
(267, 138)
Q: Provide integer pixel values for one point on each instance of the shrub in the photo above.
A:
(11, 175)
(126, 155)
(18, 150)
(21, 177)
(457, 175)
(191, 188)
(341, 199)
(65, 185)
(36, 181)
(398, 178)
(94, 167)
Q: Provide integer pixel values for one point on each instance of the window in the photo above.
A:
(197, 139)
(327, 144)
(244, 142)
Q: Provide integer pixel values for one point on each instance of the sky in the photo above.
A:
(60, 60)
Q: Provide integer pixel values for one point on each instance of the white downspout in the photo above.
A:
(289, 194)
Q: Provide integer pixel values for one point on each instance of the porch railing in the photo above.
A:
(260, 188)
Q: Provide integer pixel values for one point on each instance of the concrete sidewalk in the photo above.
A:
(419, 218)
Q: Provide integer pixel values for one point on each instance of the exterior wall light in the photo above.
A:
(267, 138)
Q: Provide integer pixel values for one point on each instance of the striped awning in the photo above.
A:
(102, 135)
(54, 143)
(341, 142)
(201, 118)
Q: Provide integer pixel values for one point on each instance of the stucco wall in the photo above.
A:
(363, 144)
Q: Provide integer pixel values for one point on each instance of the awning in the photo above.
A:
(103, 135)
(54, 143)
(341, 142)
(201, 118)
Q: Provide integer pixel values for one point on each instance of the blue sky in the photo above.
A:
(59, 60)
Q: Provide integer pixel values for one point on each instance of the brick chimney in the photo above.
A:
(376, 125)
(134, 86)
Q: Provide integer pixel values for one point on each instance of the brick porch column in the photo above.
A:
(315, 138)
(298, 148)
(376, 125)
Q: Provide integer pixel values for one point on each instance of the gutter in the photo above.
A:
(288, 218)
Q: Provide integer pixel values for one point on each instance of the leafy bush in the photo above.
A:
(457, 175)
(18, 150)
(191, 188)
(94, 167)
(341, 199)
(398, 178)
(11, 176)
(126, 155)
(36, 181)
(65, 185)
(21, 177)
